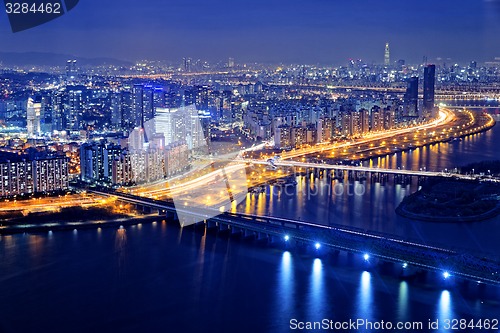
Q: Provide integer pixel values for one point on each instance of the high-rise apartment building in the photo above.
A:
(24, 174)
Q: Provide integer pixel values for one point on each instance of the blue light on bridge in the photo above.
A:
(446, 275)
(405, 265)
(366, 257)
(287, 238)
(317, 246)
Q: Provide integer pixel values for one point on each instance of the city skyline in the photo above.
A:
(264, 166)
(295, 32)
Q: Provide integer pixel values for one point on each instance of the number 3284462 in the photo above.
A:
(34, 8)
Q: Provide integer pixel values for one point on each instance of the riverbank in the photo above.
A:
(448, 139)
(444, 200)
(71, 218)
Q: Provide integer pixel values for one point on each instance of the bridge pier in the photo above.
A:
(236, 231)
(407, 271)
(273, 239)
(175, 217)
(362, 176)
(262, 237)
(211, 224)
(422, 180)
(223, 227)
(402, 179)
(378, 177)
(339, 175)
(352, 175)
(248, 234)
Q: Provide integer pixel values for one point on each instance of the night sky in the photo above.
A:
(305, 31)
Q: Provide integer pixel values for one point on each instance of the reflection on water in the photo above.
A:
(163, 226)
(143, 280)
(445, 310)
(285, 293)
(403, 301)
(36, 246)
(364, 298)
(317, 298)
(200, 267)
(121, 249)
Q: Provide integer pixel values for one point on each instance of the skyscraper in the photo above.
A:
(411, 98)
(143, 109)
(429, 83)
(74, 109)
(387, 55)
(116, 110)
(71, 70)
(187, 64)
(127, 110)
(33, 118)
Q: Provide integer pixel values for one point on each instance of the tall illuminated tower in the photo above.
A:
(429, 83)
(387, 55)
(33, 112)
(411, 97)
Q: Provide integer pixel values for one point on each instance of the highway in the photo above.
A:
(205, 184)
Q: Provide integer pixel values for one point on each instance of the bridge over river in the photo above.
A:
(383, 247)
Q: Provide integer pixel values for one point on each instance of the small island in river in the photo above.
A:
(452, 200)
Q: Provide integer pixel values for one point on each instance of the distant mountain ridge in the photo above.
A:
(54, 59)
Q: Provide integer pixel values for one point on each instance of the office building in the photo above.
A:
(71, 70)
(33, 113)
(411, 98)
(429, 86)
(387, 55)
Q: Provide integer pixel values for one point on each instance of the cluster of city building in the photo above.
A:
(307, 121)
(146, 124)
(160, 147)
(32, 171)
